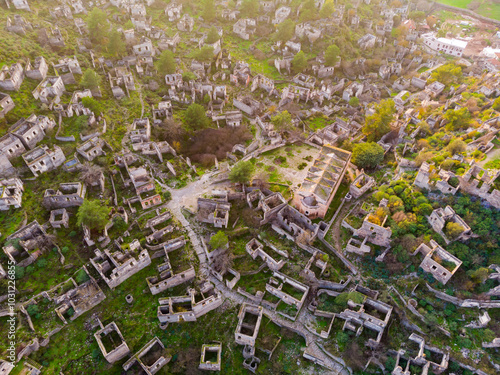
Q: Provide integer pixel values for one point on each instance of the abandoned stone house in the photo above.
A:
(173, 11)
(262, 82)
(281, 14)
(59, 218)
(66, 68)
(435, 89)
(19, 25)
(423, 357)
(322, 181)
(163, 112)
(371, 314)
(331, 134)
(144, 47)
(169, 42)
(480, 182)
(91, 148)
(367, 41)
(249, 320)
(280, 286)
(361, 184)
(11, 147)
(213, 211)
(121, 79)
(6, 104)
(256, 249)
(116, 267)
(11, 193)
(269, 204)
(116, 348)
(186, 308)
(54, 38)
(167, 278)
(30, 131)
(150, 358)
(69, 194)
(207, 361)
(438, 262)
(20, 4)
(295, 226)
(31, 240)
(38, 70)
(11, 77)
(186, 23)
(244, 28)
(50, 90)
(42, 159)
(306, 30)
(423, 180)
(440, 217)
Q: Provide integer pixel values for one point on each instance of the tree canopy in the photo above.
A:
(249, 8)
(282, 121)
(367, 155)
(196, 117)
(299, 62)
(327, 9)
(286, 30)
(212, 36)
(97, 22)
(116, 45)
(242, 172)
(205, 53)
(332, 55)
(457, 119)
(90, 79)
(447, 74)
(378, 124)
(166, 63)
(93, 214)
(218, 240)
(209, 10)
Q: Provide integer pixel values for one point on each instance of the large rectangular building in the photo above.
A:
(453, 47)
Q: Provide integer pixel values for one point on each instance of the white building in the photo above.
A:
(453, 47)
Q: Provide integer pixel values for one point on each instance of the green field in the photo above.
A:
(487, 8)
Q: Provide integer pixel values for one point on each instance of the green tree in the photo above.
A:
(417, 15)
(354, 102)
(97, 25)
(166, 63)
(378, 124)
(93, 214)
(447, 74)
(249, 8)
(456, 146)
(299, 62)
(453, 230)
(286, 30)
(242, 172)
(282, 121)
(205, 53)
(90, 80)
(212, 36)
(116, 45)
(327, 9)
(219, 240)
(308, 11)
(92, 104)
(496, 104)
(367, 155)
(196, 117)
(458, 119)
(332, 55)
(209, 10)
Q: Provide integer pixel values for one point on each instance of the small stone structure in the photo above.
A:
(11, 193)
(70, 194)
(361, 185)
(440, 217)
(185, 308)
(91, 149)
(149, 358)
(32, 241)
(59, 218)
(212, 211)
(6, 104)
(42, 159)
(437, 261)
(256, 249)
(111, 343)
(116, 267)
(322, 181)
(249, 320)
(209, 351)
(11, 77)
(478, 181)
